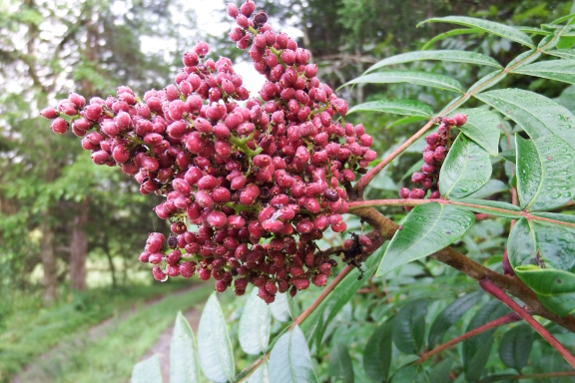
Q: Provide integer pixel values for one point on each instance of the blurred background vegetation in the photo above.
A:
(71, 232)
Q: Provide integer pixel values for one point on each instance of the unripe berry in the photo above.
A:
(417, 193)
(49, 113)
(158, 274)
(248, 8)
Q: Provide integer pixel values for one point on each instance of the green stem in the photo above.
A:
(355, 205)
(367, 177)
(241, 143)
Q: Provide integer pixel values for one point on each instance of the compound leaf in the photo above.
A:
(427, 228)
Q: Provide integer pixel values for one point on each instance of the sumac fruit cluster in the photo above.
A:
(260, 179)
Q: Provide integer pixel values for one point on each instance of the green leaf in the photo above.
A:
(184, 364)
(340, 367)
(280, 308)
(466, 169)
(474, 367)
(482, 127)
(542, 256)
(377, 352)
(545, 179)
(563, 53)
(316, 324)
(537, 115)
(215, 348)
(491, 27)
(147, 371)
(261, 375)
(554, 288)
(559, 70)
(453, 32)
(515, 346)
(532, 30)
(411, 77)
(404, 121)
(441, 370)
(409, 327)
(490, 188)
(409, 374)
(290, 361)
(475, 350)
(449, 316)
(403, 107)
(442, 55)
(427, 228)
(255, 322)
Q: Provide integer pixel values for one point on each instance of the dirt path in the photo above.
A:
(162, 346)
(54, 359)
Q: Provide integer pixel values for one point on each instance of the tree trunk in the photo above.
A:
(79, 248)
(49, 263)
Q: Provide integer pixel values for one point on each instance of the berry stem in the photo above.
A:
(322, 296)
(355, 205)
(241, 144)
(366, 179)
(509, 318)
(489, 287)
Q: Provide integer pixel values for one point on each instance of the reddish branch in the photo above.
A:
(509, 318)
(387, 228)
(487, 285)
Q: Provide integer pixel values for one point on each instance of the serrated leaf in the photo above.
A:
(474, 349)
(255, 322)
(412, 77)
(147, 371)
(490, 188)
(482, 127)
(559, 70)
(340, 367)
(427, 228)
(449, 316)
(474, 367)
(466, 169)
(215, 348)
(184, 364)
(441, 370)
(442, 55)
(554, 288)
(545, 175)
(491, 27)
(409, 374)
(563, 53)
(409, 327)
(538, 115)
(542, 256)
(453, 32)
(280, 308)
(403, 107)
(316, 324)
(377, 352)
(515, 346)
(404, 121)
(261, 375)
(290, 361)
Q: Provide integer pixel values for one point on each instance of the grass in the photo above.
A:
(27, 329)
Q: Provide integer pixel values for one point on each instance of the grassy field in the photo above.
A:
(28, 330)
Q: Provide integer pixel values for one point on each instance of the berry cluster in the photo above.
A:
(260, 180)
(433, 156)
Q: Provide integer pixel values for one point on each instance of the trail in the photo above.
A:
(162, 346)
(49, 363)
